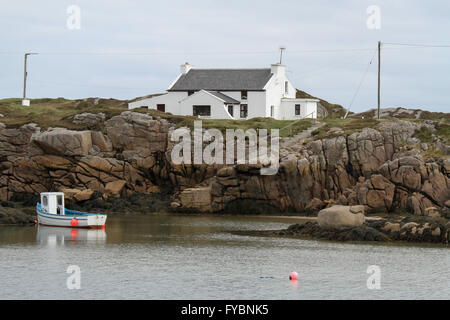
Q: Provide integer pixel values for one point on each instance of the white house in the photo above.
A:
(232, 94)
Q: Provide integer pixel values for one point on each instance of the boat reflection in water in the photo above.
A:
(59, 235)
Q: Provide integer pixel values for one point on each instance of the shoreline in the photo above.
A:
(304, 227)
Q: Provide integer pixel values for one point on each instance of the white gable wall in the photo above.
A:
(218, 107)
(170, 100)
(256, 100)
(275, 91)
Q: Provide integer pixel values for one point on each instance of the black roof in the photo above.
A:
(224, 97)
(223, 79)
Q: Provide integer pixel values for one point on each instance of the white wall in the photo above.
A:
(258, 102)
(275, 90)
(218, 108)
(307, 106)
(170, 100)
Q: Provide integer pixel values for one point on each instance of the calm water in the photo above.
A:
(195, 257)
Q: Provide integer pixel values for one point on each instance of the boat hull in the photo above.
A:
(71, 221)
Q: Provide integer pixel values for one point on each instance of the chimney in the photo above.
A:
(184, 68)
(278, 69)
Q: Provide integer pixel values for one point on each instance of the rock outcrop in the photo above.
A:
(131, 153)
(123, 158)
(371, 168)
(382, 230)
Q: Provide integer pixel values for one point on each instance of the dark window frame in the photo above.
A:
(232, 109)
(297, 109)
(244, 95)
(286, 87)
(201, 113)
(243, 111)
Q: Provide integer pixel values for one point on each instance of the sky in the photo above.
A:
(126, 49)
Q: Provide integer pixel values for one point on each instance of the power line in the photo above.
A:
(190, 53)
(360, 83)
(329, 66)
(416, 45)
(85, 85)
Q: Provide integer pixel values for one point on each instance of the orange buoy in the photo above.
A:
(293, 275)
(74, 222)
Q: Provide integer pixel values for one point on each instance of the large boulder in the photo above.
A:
(61, 141)
(138, 132)
(341, 216)
(114, 188)
(196, 198)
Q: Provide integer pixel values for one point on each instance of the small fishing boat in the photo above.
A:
(51, 212)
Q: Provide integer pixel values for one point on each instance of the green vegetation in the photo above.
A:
(435, 116)
(59, 113)
(55, 112)
(349, 126)
(255, 123)
(426, 135)
(334, 110)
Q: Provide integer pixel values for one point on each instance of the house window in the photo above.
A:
(203, 111)
(243, 95)
(190, 92)
(161, 107)
(230, 109)
(244, 111)
(271, 111)
(297, 109)
(286, 87)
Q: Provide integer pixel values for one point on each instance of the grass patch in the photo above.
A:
(349, 126)
(254, 123)
(334, 110)
(59, 113)
(426, 135)
(55, 112)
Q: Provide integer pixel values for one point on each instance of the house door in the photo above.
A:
(161, 107)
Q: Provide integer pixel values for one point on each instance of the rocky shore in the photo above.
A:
(349, 223)
(407, 229)
(12, 213)
(123, 163)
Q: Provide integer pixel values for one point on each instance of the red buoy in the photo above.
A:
(74, 222)
(293, 275)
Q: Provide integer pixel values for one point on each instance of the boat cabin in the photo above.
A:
(52, 202)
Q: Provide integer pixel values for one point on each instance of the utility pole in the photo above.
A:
(282, 48)
(25, 102)
(379, 68)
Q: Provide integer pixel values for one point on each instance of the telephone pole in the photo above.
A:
(25, 78)
(379, 68)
